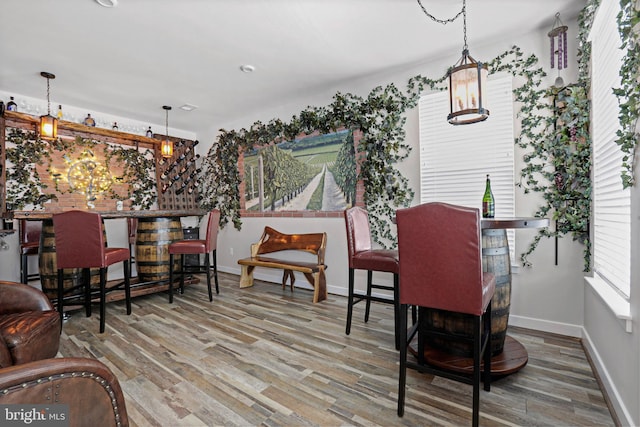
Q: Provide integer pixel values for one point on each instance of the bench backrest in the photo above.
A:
(274, 241)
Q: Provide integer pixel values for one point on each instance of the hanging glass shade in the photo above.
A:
(166, 148)
(467, 79)
(48, 123)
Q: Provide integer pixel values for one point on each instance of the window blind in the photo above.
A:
(454, 160)
(611, 203)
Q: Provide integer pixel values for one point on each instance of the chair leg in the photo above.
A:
(402, 377)
(207, 264)
(182, 274)
(487, 350)
(86, 283)
(396, 308)
(103, 298)
(60, 295)
(170, 278)
(477, 347)
(127, 285)
(215, 269)
(350, 302)
(24, 268)
(368, 302)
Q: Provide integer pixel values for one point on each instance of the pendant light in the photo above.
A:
(166, 148)
(48, 123)
(467, 79)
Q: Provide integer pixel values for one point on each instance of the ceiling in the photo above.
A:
(132, 59)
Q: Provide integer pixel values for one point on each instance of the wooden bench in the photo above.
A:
(274, 241)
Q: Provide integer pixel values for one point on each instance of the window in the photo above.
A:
(611, 203)
(454, 160)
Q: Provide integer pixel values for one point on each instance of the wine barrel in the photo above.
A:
(496, 260)
(153, 237)
(49, 269)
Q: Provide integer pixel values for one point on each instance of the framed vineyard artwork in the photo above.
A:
(312, 175)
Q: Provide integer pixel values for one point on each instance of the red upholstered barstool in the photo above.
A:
(30, 232)
(188, 247)
(440, 251)
(80, 243)
(363, 257)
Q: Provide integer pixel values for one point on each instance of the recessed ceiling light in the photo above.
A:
(188, 107)
(247, 68)
(107, 3)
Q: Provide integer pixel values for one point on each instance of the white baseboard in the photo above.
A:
(546, 326)
(605, 380)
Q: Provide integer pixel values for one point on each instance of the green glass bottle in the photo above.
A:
(488, 202)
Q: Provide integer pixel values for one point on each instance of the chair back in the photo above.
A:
(132, 227)
(211, 241)
(358, 232)
(80, 241)
(30, 231)
(440, 252)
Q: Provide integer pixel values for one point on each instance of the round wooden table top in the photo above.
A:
(514, 222)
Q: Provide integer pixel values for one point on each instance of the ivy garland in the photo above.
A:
(380, 116)
(25, 186)
(629, 92)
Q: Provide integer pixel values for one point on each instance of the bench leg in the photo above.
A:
(288, 273)
(246, 276)
(319, 282)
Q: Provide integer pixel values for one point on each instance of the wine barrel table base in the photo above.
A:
(153, 237)
(508, 355)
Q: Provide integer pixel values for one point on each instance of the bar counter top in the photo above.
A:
(39, 215)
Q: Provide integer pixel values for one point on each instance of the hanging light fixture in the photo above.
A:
(466, 81)
(166, 148)
(48, 123)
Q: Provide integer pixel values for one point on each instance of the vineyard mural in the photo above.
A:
(314, 172)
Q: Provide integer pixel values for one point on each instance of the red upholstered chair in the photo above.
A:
(80, 243)
(441, 268)
(363, 257)
(29, 245)
(188, 247)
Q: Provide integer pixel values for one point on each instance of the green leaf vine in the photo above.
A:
(26, 187)
(380, 116)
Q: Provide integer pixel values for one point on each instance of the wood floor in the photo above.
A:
(264, 356)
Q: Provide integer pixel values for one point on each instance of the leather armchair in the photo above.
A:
(29, 326)
(91, 391)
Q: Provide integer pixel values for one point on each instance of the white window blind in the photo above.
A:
(455, 160)
(611, 203)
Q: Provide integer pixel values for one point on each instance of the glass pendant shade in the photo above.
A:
(166, 149)
(466, 83)
(48, 127)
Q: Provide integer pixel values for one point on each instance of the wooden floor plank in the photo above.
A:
(266, 356)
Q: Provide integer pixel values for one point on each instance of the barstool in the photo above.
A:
(30, 232)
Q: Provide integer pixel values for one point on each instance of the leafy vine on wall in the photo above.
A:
(26, 187)
(381, 118)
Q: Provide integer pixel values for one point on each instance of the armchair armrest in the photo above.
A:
(18, 298)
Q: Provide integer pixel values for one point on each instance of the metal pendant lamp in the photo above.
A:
(48, 123)
(467, 79)
(166, 148)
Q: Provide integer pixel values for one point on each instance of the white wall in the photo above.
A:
(546, 297)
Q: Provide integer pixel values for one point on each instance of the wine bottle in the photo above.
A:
(488, 202)
(59, 112)
(149, 133)
(115, 126)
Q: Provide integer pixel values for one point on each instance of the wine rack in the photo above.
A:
(177, 176)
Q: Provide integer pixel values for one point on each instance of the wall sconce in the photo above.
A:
(466, 80)
(48, 123)
(166, 148)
